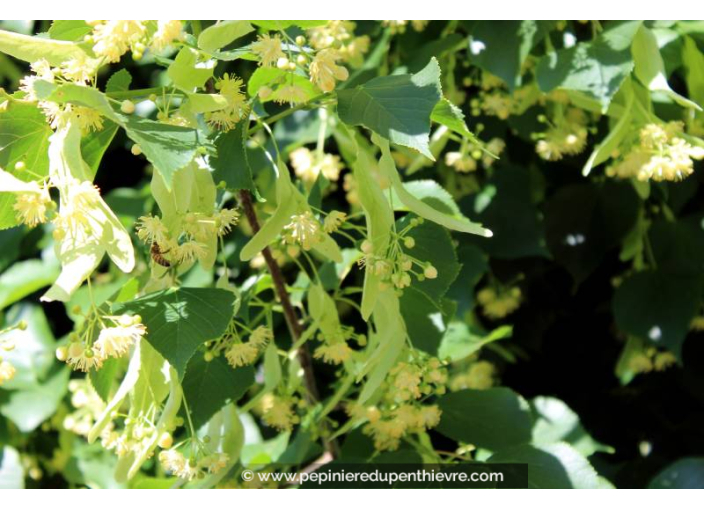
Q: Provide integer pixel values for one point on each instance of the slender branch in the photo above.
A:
(294, 326)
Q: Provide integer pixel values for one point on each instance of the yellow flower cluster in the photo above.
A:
(498, 303)
(230, 87)
(662, 154)
(190, 243)
(303, 230)
(465, 160)
(480, 375)
(81, 70)
(116, 336)
(268, 50)
(399, 26)
(335, 349)
(340, 34)
(567, 136)
(111, 39)
(324, 69)
(188, 469)
(400, 411)
(308, 165)
(697, 323)
(651, 359)
(88, 406)
(278, 411)
(239, 354)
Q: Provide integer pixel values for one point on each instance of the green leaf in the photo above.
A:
(272, 367)
(11, 472)
(94, 145)
(596, 68)
(474, 266)
(283, 24)
(425, 320)
(555, 466)
(555, 422)
(223, 33)
(230, 162)
(179, 320)
(650, 67)
(461, 341)
(687, 473)
(119, 81)
(379, 219)
(34, 354)
(658, 306)
(452, 118)
(506, 203)
(678, 247)
(621, 128)
(396, 107)
(272, 77)
(385, 342)
(102, 380)
(494, 419)
(30, 406)
(169, 148)
(501, 47)
(453, 221)
(187, 73)
(209, 385)
(69, 30)
(24, 136)
(24, 278)
(433, 245)
(583, 222)
(30, 49)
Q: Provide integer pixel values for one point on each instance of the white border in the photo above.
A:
(356, 9)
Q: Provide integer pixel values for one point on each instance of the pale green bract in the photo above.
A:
(81, 250)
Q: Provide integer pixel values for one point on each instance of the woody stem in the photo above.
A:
(294, 326)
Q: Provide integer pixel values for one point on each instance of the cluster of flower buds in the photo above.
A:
(239, 353)
(7, 370)
(497, 303)
(395, 267)
(400, 411)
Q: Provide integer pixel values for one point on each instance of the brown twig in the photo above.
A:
(290, 315)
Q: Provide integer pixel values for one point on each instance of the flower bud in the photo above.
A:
(166, 440)
(127, 106)
(430, 272)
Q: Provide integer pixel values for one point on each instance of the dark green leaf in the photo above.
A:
(178, 321)
(658, 306)
(209, 385)
(230, 164)
(24, 136)
(596, 68)
(584, 222)
(494, 419)
(501, 47)
(396, 107)
(685, 473)
(555, 466)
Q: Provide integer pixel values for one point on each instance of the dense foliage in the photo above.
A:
(394, 241)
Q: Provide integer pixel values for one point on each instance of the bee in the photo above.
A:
(158, 255)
